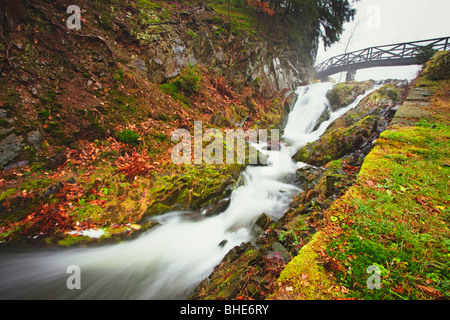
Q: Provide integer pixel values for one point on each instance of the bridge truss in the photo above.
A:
(400, 54)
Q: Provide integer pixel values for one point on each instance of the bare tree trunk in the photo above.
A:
(350, 38)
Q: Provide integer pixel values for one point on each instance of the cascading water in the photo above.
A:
(168, 261)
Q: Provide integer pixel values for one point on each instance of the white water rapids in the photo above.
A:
(170, 260)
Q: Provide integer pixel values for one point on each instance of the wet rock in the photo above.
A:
(223, 243)
(16, 165)
(343, 94)
(10, 148)
(264, 221)
(236, 252)
(258, 232)
(291, 98)
(3, 114)
(324, 117)
(278, 247)
(52, 190)
(308, 177)
(138, 64)
(305, 154)
(5, 131)
(35, 139)
(218, 207)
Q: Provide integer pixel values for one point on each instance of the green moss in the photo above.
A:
(8, 193)
(343, 94)
(438, 68)
(157, 209)
(337, 143)
(48, 97)
(32, 185)
(189, 80)
(73, 240)
(45, 114)
(308, 279)
(11, 97)
(4, 123)
(106, 20)
(118, 76)
(128, 136)
(174, 90)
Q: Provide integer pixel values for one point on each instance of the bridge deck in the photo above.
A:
(400, 54)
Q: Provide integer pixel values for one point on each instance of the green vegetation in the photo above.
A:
(344, 93)
(439, 67)
(306, 279)
(393, 218)
(326, 17)
(128, 136)
(400, 217)
(186, 84)
(424, 54)
(189, 80)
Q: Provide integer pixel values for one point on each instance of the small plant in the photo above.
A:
(118, 76)
(192, 34)
(105, 20)
(128, 136)
(285, 234)
(189, 79)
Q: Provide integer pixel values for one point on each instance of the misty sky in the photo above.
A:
(381, 22)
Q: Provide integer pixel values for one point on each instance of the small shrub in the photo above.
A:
(189, 79)
(128, 136)
(438, 68)
(192, 34)
(118, 76)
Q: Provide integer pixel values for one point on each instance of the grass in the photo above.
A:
(399, 217)
(242, 19)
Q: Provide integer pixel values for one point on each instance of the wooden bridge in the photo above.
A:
(400, 54)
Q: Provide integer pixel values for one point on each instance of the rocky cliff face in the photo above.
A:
(60, 81)
(97, 106)
(245, 55)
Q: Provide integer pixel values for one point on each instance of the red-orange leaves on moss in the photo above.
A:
(137, 165)
(47, 219)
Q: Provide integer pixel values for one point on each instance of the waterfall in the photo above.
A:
(170, 260)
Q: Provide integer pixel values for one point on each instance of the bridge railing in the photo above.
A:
(385, 52)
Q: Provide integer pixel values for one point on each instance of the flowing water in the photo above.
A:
(169, 261)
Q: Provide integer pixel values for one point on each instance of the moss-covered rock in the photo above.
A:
(351, 131)
(344, 93)
(438, 68)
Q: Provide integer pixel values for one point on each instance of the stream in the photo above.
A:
(170, 260)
